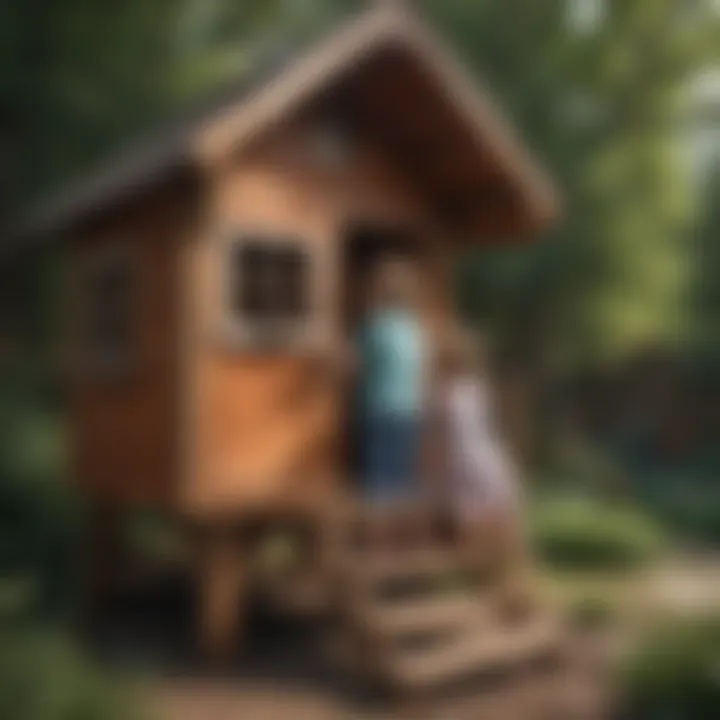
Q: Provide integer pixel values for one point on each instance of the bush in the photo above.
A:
(691, 511)
(38, 531)
(43, 677)
(593, 613)
(39, 517)
(675, 672)
(582, 533)
(574, 464)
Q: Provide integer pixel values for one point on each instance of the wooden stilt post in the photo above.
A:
(222, 588)
(103, 554)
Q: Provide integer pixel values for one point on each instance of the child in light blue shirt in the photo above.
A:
(392, 351)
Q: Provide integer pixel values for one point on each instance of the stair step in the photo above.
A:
(407, 565)
(476, 652)
(433, 614)
(306, 594)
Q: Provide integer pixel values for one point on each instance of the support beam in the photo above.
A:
(103, 554)
(222, 584)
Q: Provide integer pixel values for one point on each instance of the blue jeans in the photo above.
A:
(390, 456)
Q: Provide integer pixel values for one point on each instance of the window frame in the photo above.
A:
(282, 334)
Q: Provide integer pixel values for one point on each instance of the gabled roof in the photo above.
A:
(243, 112)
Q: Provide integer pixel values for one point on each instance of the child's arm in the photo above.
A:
(433, 448)
(432, 441)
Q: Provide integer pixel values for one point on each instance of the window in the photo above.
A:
(107, 308)
(269, 289)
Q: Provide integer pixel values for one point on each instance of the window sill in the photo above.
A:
(280, 339)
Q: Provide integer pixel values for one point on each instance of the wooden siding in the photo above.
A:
(124, 425)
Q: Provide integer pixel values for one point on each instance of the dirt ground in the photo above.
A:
(285, 673)
(237, 700)
(284, 677)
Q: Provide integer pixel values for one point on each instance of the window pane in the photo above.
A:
(248, 280)
(269, 280)
(292, 270)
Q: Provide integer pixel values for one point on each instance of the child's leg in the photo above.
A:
(471, 537)
(380, 475)
(518, 587)
(407, 456)
(375, 473)
(483, 537)
(378, 527)
(394, 454)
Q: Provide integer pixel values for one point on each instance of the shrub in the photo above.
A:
(675, 671)
(593, 613)
(582, 533)
(693, 512)
(43, 677)
(577, 465)
(38, 530)
(38, 513)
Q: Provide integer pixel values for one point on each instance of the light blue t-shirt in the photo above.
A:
(392, 347)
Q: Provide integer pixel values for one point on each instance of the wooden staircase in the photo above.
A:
(423, 618)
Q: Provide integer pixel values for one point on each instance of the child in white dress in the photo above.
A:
(477, 479)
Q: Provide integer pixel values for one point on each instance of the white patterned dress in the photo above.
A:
(479, 477)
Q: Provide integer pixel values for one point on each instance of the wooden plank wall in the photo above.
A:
(123, 427)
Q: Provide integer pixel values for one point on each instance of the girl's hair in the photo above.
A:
(464, 350)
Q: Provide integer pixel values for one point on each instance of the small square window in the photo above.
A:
(269, 287)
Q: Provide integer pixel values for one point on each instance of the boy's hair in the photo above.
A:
(401, 283)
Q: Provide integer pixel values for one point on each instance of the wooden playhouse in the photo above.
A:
(209, 265)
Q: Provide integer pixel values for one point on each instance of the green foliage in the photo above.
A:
(599, 108)
(38, 516)
(575, 465)
(692, 512)
(706, 295)
(675, 672)
(587, 534)
(592, 612)
(43, 677)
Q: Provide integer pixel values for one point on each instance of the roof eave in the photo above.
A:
(209, 141)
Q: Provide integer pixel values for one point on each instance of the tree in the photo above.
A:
(600, 109)
(706, 298)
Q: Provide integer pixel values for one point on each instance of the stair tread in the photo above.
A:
(408, 563)
(475, 651)
(435, 613)
(296, 593)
